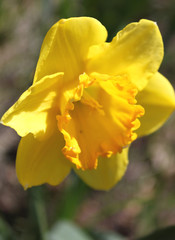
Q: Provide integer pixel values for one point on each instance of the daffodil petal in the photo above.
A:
(108, 172)
(137, 50)
(66, 45)
(102, 123)
(41, 162)
(158, 100)
(36, 109)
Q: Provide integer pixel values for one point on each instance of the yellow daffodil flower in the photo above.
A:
(83, 109)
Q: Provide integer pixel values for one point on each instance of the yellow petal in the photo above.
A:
(66, 45)
(158, 100)
(108, 172)
(41, 162)
(101, 123)
(36, 109)
(137, 50)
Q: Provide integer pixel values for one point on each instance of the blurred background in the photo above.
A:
(144, 200)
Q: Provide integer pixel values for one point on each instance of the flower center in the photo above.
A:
(101, 120)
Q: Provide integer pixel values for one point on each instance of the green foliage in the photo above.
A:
(6, 233)
(161, 234)
(72, 198)
(66, 230)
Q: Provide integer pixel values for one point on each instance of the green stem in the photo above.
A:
(39, 210)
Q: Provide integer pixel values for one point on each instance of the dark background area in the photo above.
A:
(144, 200)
